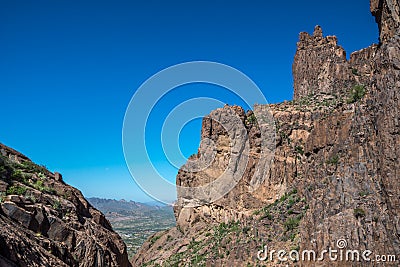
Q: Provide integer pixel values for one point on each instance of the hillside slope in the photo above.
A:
(45, 222)
(335, 172)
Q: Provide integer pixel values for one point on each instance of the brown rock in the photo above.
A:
(3, 186)
(387, 15)
(56, 227)
(58, 176)
(335, 173)
(320, 66)
(17, 214)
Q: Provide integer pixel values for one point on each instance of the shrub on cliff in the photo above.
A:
(16, 190)
(358, 213)
(357, 92)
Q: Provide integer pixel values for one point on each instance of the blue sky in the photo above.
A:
(68, 69)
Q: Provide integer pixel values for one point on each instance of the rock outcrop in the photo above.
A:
(320, 65)
(335, 173)
(45, 222)
(387, 15)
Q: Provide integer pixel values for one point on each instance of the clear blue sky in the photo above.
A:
(68, 69)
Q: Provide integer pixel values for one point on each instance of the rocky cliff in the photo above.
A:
(335, 170)
(45, 222)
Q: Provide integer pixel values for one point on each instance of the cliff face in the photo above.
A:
(335, 173)
(387, 15)
(45, 222)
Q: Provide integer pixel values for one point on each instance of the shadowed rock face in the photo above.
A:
(45, 222)
(387, 15)
(335, 173)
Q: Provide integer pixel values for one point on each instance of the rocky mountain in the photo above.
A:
(45, 222)
(334, 178)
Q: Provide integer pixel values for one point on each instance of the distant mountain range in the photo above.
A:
(123, 208)
(135, 221)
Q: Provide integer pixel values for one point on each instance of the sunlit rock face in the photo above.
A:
(335, 170)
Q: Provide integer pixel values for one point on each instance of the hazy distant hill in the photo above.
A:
(135, 221)
(124, 207)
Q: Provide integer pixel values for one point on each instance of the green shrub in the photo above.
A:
(295, 248)
(25, 179)
(292, 223)
(154, 239)
(267, 214)
(334, 160)
(49, 190)
(293, 192)
(39, 185)
(57, 205)
(283, 197)
(252, 119)
(256, 212)
(358, 213)
(292, 236)
(32, 167)
(31, 197)
(356, 93)
(17, 175)
(355, 72)
(291, 202)
(16, 190)
(299, 150)
(178, 227)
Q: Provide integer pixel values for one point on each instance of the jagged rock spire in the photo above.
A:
(318, 32)
(320, 65)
